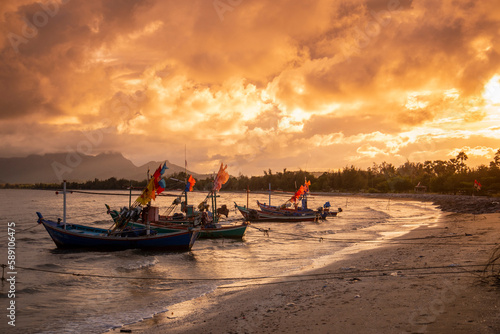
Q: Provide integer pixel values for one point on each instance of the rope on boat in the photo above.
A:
(264, 230)
(112, 194)
(388, 241)
(19, 231)
(326, 239)
(87, 215)
(342, 274)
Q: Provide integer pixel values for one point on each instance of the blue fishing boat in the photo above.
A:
(120, 235)
(79, 236)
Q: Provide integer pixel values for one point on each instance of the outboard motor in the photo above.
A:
(135, 214)
(123, 212)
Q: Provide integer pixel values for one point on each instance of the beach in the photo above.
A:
(430, 280)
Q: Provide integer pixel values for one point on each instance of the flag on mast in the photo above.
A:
(190, 183)
(155, 186)
(221, 178)
(297, 195)
(306, 186)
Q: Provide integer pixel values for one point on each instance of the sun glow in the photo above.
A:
(415, 100)
(492, 90)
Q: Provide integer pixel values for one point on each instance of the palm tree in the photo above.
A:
(461, 157)
(497, 158)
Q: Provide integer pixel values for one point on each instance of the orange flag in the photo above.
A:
(221, 178)
(306, 186)
(297, 194)
(190, 184)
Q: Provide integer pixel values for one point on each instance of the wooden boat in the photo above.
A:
(161, 224)
(120, 235)
(80, 236)
(253, 215)
(209, 221)
(324, 211)
(221, 231)
(292, 207)
(206, 232)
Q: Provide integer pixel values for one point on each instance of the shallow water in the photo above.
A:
(135, 285)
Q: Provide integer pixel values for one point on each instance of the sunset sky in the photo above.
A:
(256, 84)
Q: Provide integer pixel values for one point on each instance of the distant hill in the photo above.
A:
(52, 168)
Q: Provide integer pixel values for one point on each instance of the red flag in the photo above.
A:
(157, 174)
(158, 181)
(161, 186)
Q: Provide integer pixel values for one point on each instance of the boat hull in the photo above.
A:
(256, 216)
(299, 212)
(232, 232)
(80, 236)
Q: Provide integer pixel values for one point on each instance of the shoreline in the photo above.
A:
(391, 288)
(446, 203)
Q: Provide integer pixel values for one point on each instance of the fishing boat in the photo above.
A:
(283, 209)
(256, 216)
(236, 231)
(79, 236)
(208, 229)
(120, 235)
(208, 222)
(292, 206)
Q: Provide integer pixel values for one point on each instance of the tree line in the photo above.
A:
(439, 176)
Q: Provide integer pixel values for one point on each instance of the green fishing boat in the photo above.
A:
(214, 231)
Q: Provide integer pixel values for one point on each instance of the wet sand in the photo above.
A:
(427, 281)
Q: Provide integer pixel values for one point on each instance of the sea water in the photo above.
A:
(63, 291)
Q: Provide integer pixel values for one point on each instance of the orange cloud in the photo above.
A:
(257, 84)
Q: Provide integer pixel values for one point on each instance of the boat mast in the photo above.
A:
(186, 181)
(130, 195)
(64, 203)
(215, 218)
(304, 202)
(269, 193)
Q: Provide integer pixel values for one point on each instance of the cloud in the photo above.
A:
(258, 84)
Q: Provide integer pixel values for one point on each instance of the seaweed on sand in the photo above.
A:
(492, 268)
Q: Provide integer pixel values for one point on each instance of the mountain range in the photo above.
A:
(55, 167)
